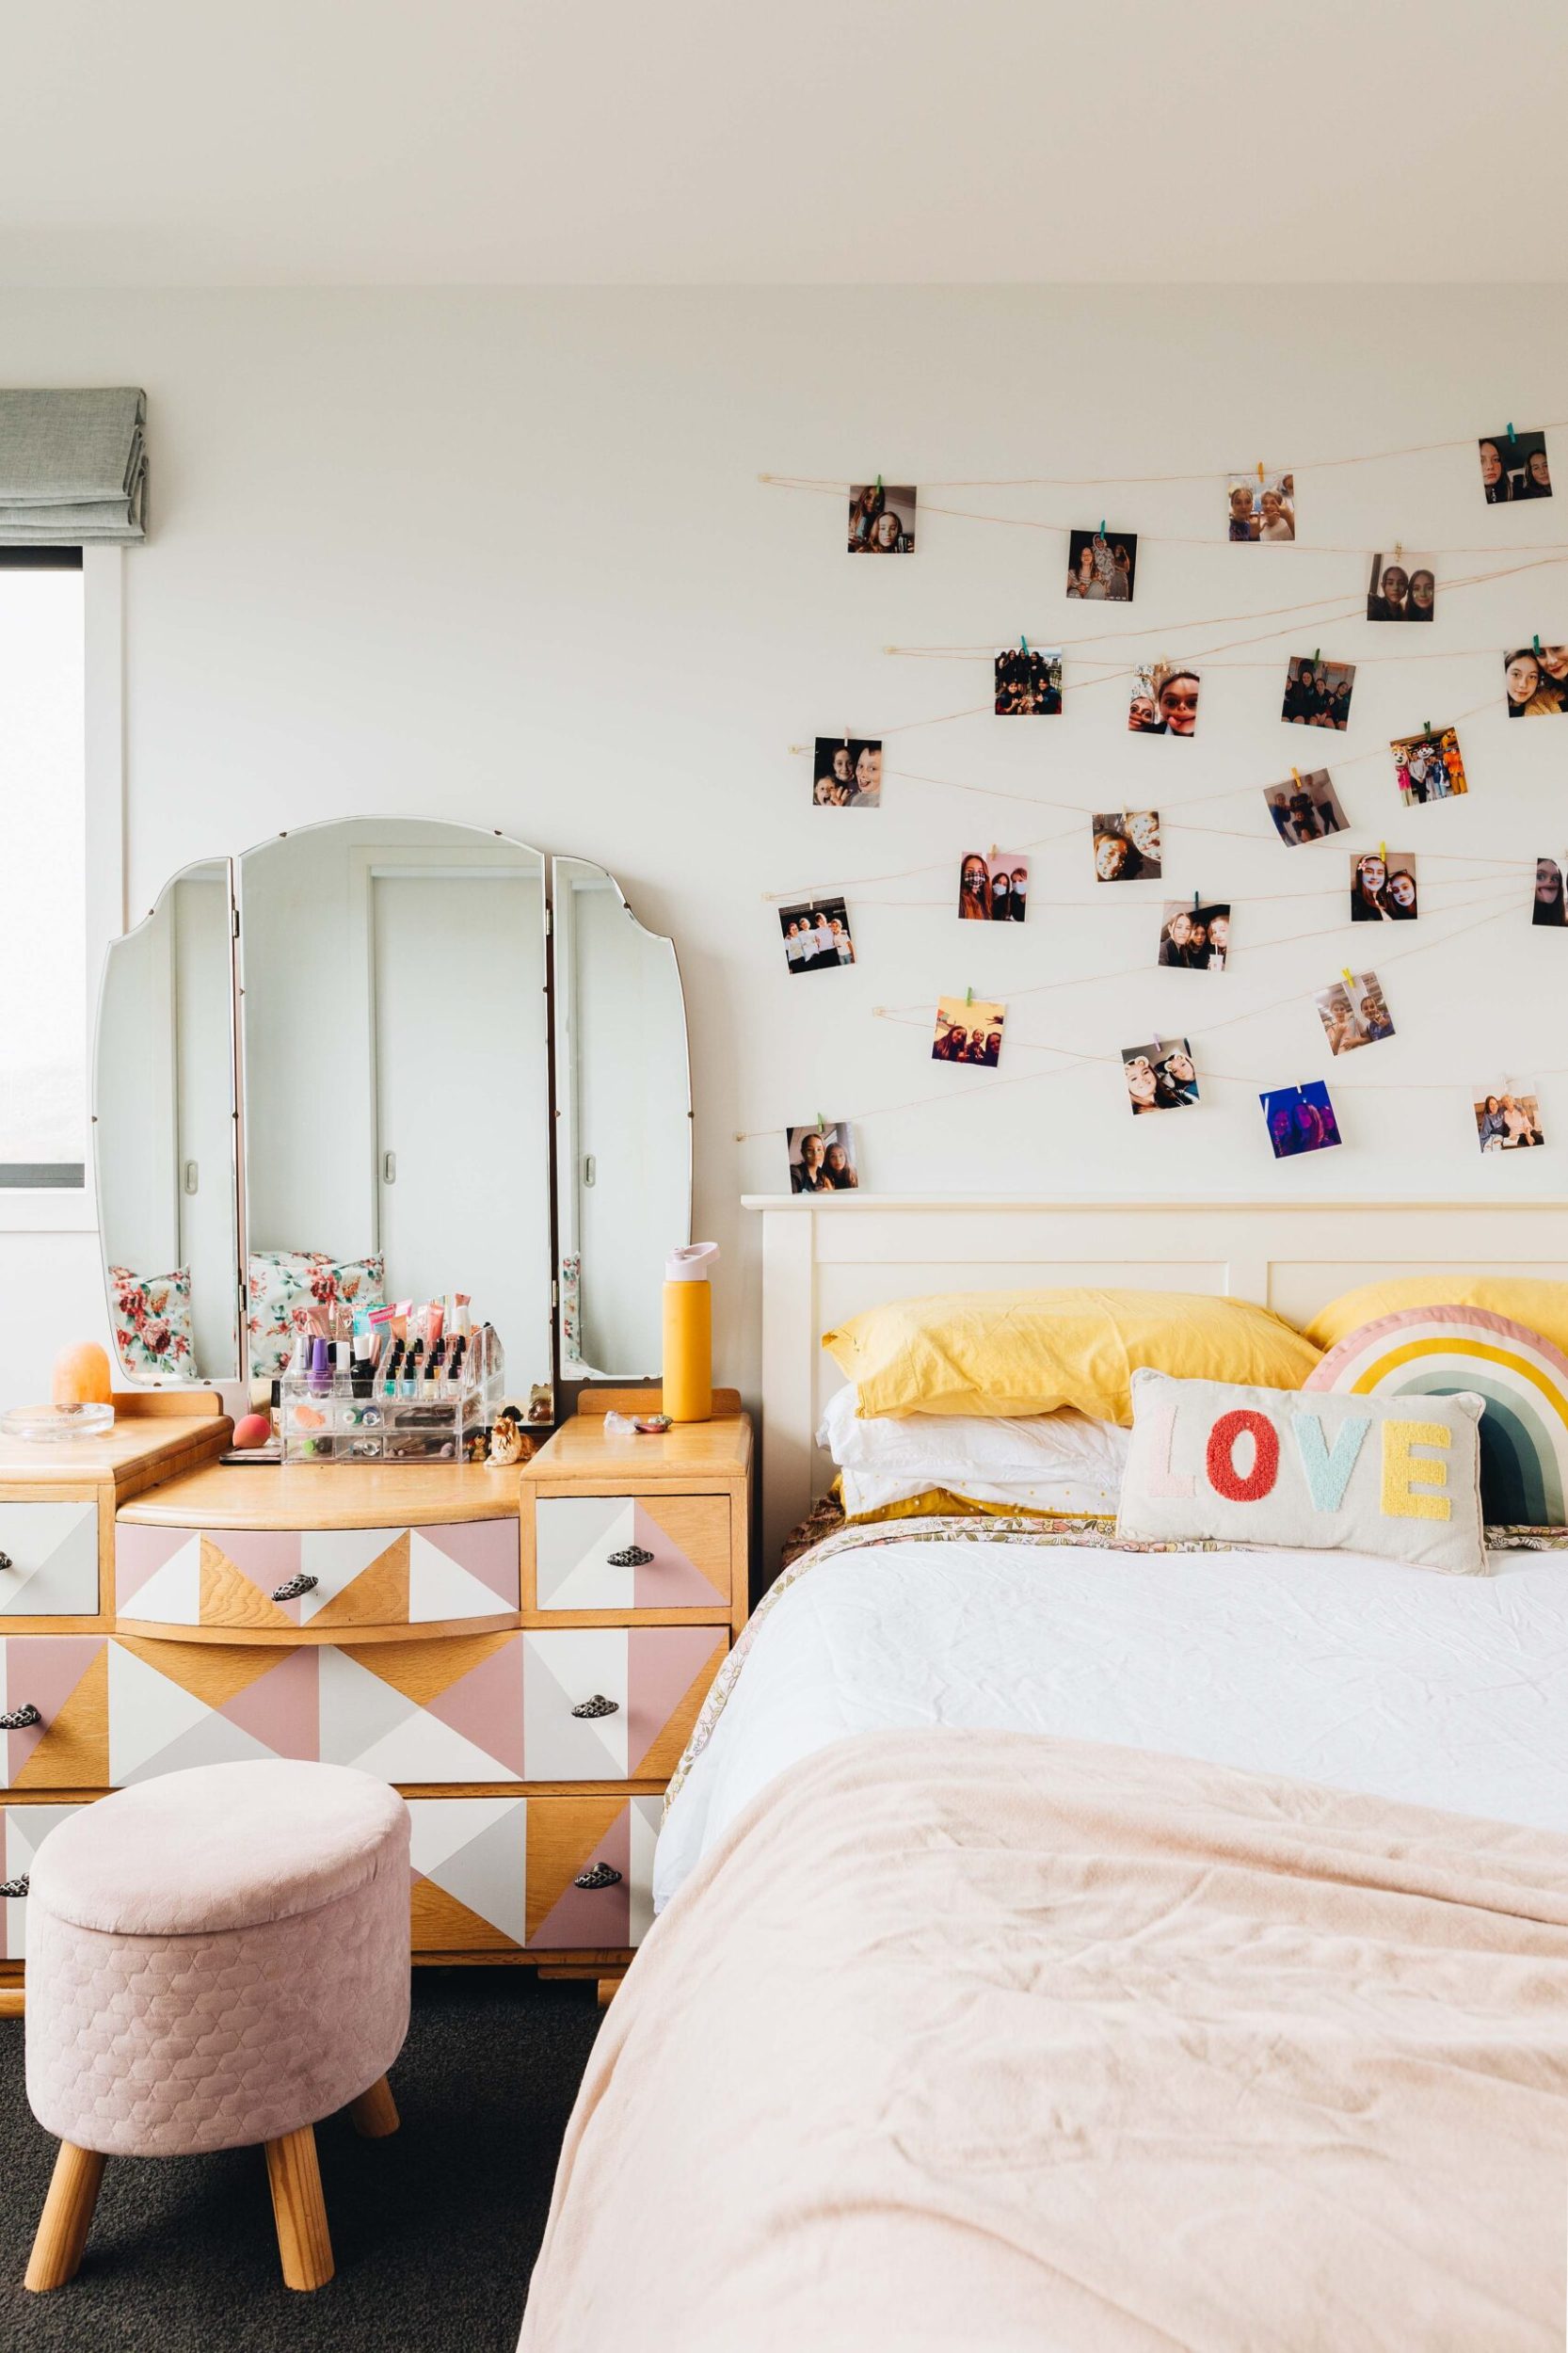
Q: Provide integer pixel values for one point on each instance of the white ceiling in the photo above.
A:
(330, 142)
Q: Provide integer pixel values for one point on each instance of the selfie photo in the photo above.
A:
(816, 936)
(1513, 466)
(1127, 845)
(1508, 1117)
(1262, 506)
(1159, 1077)
(848, 772)
(881, 521)
(1102, 565)
(1354, 1012)
(1029, 681)
(1428, 767)
(822, 1157)
(1306, 809)
(1195, 934)
(1547, 907)
(1300, 1119)
(993, 887)
(1535, 680)
(1383, 886)
(1401, 588)
(1317, 692)
(1164, 700)
(968, 1032)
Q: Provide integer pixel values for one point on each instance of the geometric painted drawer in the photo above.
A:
(581, 1542)
(49, 1559)
(64, 1677)
(497, 1874)
(460, 1709)
(360, 1576)
(22, 1831)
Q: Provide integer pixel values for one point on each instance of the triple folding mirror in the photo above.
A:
(331, 1069)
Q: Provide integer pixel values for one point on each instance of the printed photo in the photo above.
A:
(1547, 907)
(1164, 700)
(1300, 1119)
(968, 1032)
(1318, 693)
(1535, 680)
(1127, 845)
(1159, 1077)
(993, 887)
(1195, 934)
(1401, 588)
(1508, 1117)
(1102, 565)
(816, 936)
(1354, 1012)
(1029, 679)
(822, 1157)
(1513, 466)
(1306, 809)
(881, 521)
(848, 772)
(1427, 767)
(1262, 504)
(1383, 888)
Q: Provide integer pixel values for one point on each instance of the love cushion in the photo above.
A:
(1398, 1477)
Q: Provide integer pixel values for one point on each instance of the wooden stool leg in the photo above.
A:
(374, 2114)
(67, 2217)
(299, 2209)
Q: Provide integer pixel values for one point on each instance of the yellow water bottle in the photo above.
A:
(688, 1332)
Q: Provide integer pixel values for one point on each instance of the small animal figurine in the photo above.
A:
(507, 1442)
(541, 1403)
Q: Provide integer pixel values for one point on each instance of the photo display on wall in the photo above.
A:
(1401, 587)
(1428, 767)
(1160, 1075)
(847, 772)
(993, 887)
(1547, 907)
(1102, 565)
(1383, 886)
(881, 521)
(1195, 934)
(1127, 845)
(1306, 809)
(1514, 466)
(1164, 700)
(822, 1157)
(817, 936)
(1260, 507)
(1300, 1119)
(969, 1030)
(1029, 681)
(1353, 1012)
(1535, 681)
(1318, 693)
(1508, 1117)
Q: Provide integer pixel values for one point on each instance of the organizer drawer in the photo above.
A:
(500, 1874)
(631, 1552)
(256, 1579)
(22, 1831)
(58, 1683)
(49, 1557)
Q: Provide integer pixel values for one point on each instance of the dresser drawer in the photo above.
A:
(498, 1873)
(49, 1558)
(632, 1552)
(62, 1679)
(442, 1572)
(22, 1831)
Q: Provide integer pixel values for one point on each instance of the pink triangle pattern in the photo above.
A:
(44, 1668)
(265, 1557)
(486, 1704)
(487, 1549)
(586, 1919)
(140, 1553)
(663, 1662)
(281, 1708)
(670, 1580)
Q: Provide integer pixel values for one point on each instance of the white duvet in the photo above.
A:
(1328, 1667)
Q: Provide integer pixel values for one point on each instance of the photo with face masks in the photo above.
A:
(1306, 809)
(1508, 1117)
(1300, 1119)
(822, 1157)
(1102, 565)
(881, 521)
(1261, 506)
(967, 1031)
(847, 772)
(1428, 767)
(1383, 888)
(1164, 700)
(1354, 1012)
(993, 887)
(816, 936)
(1401, 588)
(1535, 681)
(1195, 936)
(1029, 681)
(1127, 845)
(1158, 1077)
(1546, 907)
(1318, 693)
(1514, 466)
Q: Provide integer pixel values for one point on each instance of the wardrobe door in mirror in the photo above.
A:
(163, 1135)
(623, 1103)
(396, 1083)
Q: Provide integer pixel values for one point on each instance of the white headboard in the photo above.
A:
(825, 1258)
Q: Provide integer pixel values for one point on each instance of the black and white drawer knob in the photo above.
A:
(633, 1556)
(21, 1718)
(601, 1875)
(15, 1889)
(598, 1706)
(293, 1587)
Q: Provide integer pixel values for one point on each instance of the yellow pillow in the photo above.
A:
(946, 1503)
(1541, 1306)
(1033, 1351)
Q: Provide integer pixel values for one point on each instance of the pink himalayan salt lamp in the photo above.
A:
(81, 1375)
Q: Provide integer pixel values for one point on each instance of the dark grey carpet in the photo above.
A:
(435, 2230)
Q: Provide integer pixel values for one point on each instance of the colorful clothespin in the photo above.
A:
(1102, 526)
(968, 996)
(1426, 727)
(1348, 976)
(1536, 643)
(1023, 641)
(1296, 774)
(821, 1124)
(879, 482)
(1511, 433)
(1398, 551)
(1382, 851)
(1260, 472)
(1196, 903)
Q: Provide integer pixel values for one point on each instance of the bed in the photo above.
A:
(1064, 1943)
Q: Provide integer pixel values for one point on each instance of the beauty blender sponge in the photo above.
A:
(252, 1429)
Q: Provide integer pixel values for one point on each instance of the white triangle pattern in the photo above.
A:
(357, 1710)
(422, 1748)
(573, 1536)
(645, 1836)
(489, 1873)
(562, 1667)
(172, 1595)
(440, 1587)
(440, 1825)
(55, 1554)
(335, 1557)
(147, 1711)
(213, 1741)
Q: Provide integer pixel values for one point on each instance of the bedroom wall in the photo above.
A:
(503, 558)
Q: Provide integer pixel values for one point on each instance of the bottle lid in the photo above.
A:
(692, 1263)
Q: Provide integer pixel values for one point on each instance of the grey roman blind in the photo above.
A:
(72, 468)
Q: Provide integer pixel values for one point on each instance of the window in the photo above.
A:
(43, 875)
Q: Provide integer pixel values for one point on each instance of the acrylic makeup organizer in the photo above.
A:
(352, 1418)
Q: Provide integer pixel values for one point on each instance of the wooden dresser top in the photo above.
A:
(138, 1443)
(328, 1495)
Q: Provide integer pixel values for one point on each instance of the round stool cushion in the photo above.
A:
(216, 1956)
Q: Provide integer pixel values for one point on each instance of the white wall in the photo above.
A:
(503, 558)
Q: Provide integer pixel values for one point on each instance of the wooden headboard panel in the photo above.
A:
(824, 1259)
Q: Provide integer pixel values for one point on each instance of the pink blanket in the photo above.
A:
(976, 2040)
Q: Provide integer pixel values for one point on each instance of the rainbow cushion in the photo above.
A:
(1437, 1350)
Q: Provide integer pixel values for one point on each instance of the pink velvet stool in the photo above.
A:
(216, 1958)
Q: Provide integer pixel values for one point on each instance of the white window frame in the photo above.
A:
(48, 1210)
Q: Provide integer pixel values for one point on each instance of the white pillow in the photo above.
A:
(1061, 1462)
